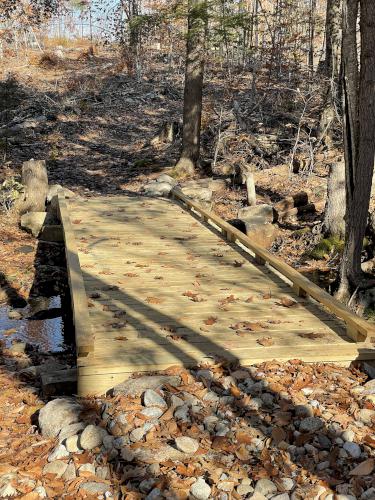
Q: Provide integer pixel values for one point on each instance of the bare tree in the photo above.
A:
(359, 135)
(195, 57)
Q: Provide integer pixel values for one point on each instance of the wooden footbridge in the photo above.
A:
(158, 282)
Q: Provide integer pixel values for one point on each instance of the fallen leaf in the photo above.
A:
(176, 337)
(265, 341)
(250, 299)
(363, 469)
(77, 221)
(154, 300)
(311, 335)
(236, 263)
(210, 321)
(287, 302)
(121, 338)
(278, 435)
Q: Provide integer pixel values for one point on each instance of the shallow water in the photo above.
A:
(47, 334)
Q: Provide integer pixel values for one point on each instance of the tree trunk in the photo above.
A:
(359, 136)
(334, 223)
(35, 180)
(332, 67)
(195, 55)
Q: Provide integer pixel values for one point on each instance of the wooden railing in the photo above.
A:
(357, 328)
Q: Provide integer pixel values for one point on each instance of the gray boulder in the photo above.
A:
(137, 386)
(57, 414)
(257, 214)
(198, 193)
(168, 179)
(157, 189)
(54, 190)
(33, 222)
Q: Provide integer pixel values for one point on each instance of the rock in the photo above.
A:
(265, 487)
(366, 416)
(137, 434)
(70, 472)
(168, 179)
(205, 374)
(353, 449)
(182, 413)
(136, 386)
(282, 496)
(87, 468)
(59, 452)
(127, 454)
(54, 189)
(91, 437)
(176, 401)
(147, 484)
(285, 484)
(210, 422)
(57, 467)
(200, 489)
(304, 410)
(369, 387)
(155, 494)
(57, 414)
(244, 489)
(161, 454)
(257, 214)
(197, 193)
(33, 222)
(186, 444)
(152, 412)
(93, 488)
(263, 235)
(13, 314)
(348, 436)
(70, 430)
(102, 472)
(311, 424)
(71, 444)
(157, 189)
(369, 366)
(152, 398)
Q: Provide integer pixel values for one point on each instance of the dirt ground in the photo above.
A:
(94, 125)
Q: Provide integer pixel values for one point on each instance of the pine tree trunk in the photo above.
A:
(195, 56)
(359, 136)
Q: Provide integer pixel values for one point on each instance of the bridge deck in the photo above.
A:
(153, 286)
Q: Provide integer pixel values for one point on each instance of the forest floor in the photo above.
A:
(282, 431)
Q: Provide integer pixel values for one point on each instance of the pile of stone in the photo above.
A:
(259, 223)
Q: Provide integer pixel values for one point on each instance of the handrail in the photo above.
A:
(357, 328)
(83, 334)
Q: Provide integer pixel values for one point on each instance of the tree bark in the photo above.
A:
(332, 66)
(35, 180)
(359, 121)
(194, 71)
(334, 223)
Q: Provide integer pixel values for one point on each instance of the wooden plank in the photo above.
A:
(357, 327)
(81, 318)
